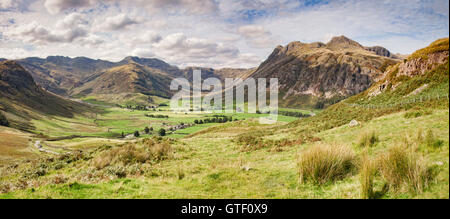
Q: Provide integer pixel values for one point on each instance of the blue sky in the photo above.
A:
(211, 33)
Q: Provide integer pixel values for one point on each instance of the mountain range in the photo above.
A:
(308, 73)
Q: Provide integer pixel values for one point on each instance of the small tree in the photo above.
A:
(196, 121)
(136, 134)
(147, 130)
(200, 122)
(3, 120)
(162, 132)
(123, 135)
(151, 129)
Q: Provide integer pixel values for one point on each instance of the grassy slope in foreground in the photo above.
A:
(211, 166)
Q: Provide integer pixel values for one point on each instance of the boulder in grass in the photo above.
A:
(353, 123)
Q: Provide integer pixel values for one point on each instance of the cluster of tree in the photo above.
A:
(3, 120)
(293, 114)
(147, 130)
(157, 116)
(221, 119)
(137, 107)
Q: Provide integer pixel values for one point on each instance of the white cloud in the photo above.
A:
(57, 6)
(144, 53)
(256, 36)
(179, 45)
(72, 27)
(147, 37)
(183, 6)
(225, 33)
(118, 22)
(4, 4)
(36, 33)
(15, 5)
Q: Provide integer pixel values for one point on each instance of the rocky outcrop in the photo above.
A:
(419, 66)
(381, 51)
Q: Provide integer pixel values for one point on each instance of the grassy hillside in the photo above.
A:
(126, 79)
(211, 165)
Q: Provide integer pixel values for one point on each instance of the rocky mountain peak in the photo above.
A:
(342, 42)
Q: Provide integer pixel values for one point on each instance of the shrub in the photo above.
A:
(417, 113)
(321, 163)
(162, 132)
(146, 130)
(401, 167)
(136, 134)
(368, 139)
(3, 120)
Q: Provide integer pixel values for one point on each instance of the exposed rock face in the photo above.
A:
(381, 51)
(341, 67)
(417, 64)
(420, 66)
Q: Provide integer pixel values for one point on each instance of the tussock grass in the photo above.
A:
(367, 173)
(432, 141)
(429, 140)
(402, 168)
(325, 163)
(368, 139)
(147, 150)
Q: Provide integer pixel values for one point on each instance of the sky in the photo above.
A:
(211, 33)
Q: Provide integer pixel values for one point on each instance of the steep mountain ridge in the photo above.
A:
(313, 72)
(21, 99)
